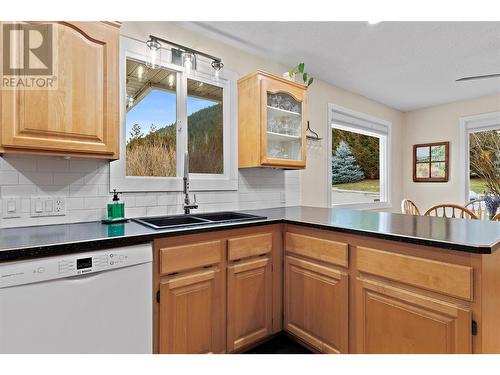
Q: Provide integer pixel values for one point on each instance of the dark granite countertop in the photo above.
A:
(474, 236)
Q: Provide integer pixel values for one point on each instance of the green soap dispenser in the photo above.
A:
(116, 209)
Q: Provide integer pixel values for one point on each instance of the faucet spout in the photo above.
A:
(188, 205)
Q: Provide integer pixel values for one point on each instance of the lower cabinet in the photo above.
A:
(192, 313)
(393, 320)
(225, 292)
(316, 304)
(249, 302)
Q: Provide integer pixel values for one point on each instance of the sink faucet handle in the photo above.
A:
(194, 197)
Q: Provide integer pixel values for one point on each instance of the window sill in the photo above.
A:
(363, 206)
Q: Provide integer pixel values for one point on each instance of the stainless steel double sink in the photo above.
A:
(189, 220)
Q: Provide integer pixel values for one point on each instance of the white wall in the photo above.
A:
(315, 178)
(434, 124)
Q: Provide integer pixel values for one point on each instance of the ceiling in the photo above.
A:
(405, 65)
(141, 80)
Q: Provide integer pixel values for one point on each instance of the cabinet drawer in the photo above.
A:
(185, 257)
(451, 279)
(248, 246)
(317, 248)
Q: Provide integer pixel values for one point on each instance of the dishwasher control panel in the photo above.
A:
(36, 270)
(87, 264)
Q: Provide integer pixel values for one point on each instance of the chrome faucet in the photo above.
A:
(188, 206)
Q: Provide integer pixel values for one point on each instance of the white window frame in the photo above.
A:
(468, 125)
(134, 49)
(368, 125)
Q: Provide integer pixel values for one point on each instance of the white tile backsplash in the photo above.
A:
(85, 184)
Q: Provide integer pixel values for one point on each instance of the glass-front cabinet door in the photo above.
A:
(283, 120)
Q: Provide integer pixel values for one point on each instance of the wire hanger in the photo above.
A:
(314, 137)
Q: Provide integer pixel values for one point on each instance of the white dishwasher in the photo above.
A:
(92, 302)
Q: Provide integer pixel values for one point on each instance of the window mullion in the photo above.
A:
(181, 122)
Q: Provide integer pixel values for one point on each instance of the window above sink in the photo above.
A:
(166, 111)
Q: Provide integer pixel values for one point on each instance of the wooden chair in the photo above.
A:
(409, 208)
(496, 217)
(477, 206)
(450, 211)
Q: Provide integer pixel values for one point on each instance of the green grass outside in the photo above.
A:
(363, 185)
(477, 185)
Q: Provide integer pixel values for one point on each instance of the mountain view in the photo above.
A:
(154, 153)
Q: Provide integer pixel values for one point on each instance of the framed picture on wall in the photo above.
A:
(431, 162)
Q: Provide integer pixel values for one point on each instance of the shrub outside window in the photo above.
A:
(358, 161)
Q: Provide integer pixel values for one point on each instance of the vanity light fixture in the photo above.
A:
(189, 55)
(154, 55)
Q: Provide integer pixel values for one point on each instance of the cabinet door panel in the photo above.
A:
(393, 320)
(316, 304)
(80, 114)
(249, 286)
(191, 314)
(283, 127)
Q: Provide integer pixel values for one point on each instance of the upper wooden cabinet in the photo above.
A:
(79, 116)
(271, 122)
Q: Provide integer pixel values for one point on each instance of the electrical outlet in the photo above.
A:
(11, 207)
(60, 205)
(48, 206)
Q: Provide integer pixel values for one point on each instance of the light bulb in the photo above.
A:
(140, 71)
(171, 80)
(188, 62)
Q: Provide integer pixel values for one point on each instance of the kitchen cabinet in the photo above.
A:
(272, 115)
(249, 309)
(316, 304)
(396, 321)
(228, 290)
(403, 304)
(249, 290)
(191, 299)
(79, 114)
(189, 310)
(316, 295)
(217, 292)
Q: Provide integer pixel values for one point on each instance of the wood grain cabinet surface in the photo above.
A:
(79, 116)
(337, 293)
(191, 313)
(316, 304)
(392, 320)
(217, 292)
(272, 117)
(249, 302)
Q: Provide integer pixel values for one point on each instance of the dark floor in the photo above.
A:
(281, 344)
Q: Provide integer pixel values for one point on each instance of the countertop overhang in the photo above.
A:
(473, 236)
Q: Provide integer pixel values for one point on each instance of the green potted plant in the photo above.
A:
(298, 72)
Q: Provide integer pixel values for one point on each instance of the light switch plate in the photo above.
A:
(47, 206)
(11, 207)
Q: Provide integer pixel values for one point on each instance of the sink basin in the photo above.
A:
(227, 216)
(181, 221)
(173, 221)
